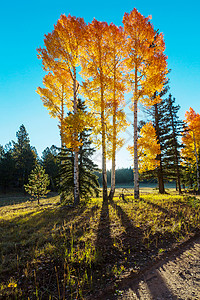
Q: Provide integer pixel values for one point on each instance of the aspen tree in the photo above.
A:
(95, 72)
(148, 148)
(147, 66)
(56, 96)
(191, 140)
(117, 88)
(62, 49)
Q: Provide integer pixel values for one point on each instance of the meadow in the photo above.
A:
(53, 251)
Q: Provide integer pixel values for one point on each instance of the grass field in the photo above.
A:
(56, 252)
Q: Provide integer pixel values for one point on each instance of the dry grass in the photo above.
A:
(55, 252)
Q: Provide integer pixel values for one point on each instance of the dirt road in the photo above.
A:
(177, 277)
(174, 277)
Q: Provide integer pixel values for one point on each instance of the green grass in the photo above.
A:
(56, 252)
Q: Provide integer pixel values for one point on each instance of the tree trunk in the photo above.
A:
(136, 172)
(112, 190)
(197, 162)
(161, 185)
(104, 174)
(159, 157)
(76, 177)
(178, 181)
(61, 139)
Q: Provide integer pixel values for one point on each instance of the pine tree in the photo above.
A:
(7, 167)
(25, 156)
(50, 162)
(168, 129)
(157, 115)
(38, 182)
(172, 154)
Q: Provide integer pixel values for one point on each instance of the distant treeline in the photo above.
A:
(17, 159)
(124, 175)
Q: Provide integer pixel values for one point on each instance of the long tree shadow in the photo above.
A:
(7, 200)
(152, 280)
(132, 239)
(39, 240)
(23, 235)
(150, 285)
(135, 254)
(104, 241)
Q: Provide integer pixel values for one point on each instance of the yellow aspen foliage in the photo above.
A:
(74, 123)
(191, 136)
(95, 71)
(62, 52)
(56, 91)
(145, 55)
(148, 148)
(147, 69)
(56, 95)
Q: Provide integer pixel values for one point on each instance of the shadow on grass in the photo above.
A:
(167, 212)
(104, 241)
(134, 253)
(17, 198)
(12, 200)
(24, 238)
(23, 235)
(131, 238)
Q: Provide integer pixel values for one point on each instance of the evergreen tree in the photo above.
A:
(7, 167)
(88, 183)
(38, 182)
(25, 156)
(172, 155)
(168, 129)
(158, 117)
(50, 162)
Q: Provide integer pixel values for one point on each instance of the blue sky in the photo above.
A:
(22, 28)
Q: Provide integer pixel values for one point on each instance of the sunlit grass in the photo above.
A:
(53, 250)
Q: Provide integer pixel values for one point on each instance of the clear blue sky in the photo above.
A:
(22, 28)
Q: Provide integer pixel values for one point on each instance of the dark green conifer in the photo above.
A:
(50, 162)
(25, 156)
(38, 182)
(172, 144)
(7, 168)
(168, 129)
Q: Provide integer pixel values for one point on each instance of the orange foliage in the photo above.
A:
(56, 92)
(191, 136)
(145, 60)
(148, 148)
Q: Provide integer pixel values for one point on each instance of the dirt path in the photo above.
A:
(178, 277)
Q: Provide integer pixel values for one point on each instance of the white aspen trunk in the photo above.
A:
(136, 172)
(103, 127)
(61, 138)
(104, 173)
(197, 161)
(76, 171)
(112, 190)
